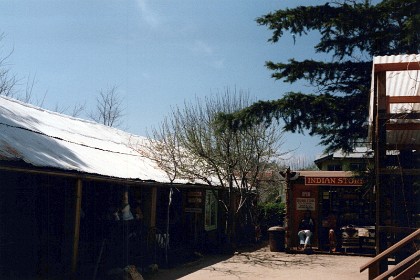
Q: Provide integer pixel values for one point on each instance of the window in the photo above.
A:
(357, 166)
(335, 167)
(210, 211)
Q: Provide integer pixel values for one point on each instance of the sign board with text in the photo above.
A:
(194, 203)
(336, 181)
(305, 204)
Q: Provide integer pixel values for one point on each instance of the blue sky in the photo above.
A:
(159, 53)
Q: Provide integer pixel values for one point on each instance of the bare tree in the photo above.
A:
(109, 109)
(7, 80)
(164, 149)
(299, 162)
(78, 109)
(201, 150)
(74, 111)
(23, 88)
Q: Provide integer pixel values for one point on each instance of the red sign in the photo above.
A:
(336, 181)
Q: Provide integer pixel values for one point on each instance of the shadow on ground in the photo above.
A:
(203, 263)
(185, 269)
(256, 262)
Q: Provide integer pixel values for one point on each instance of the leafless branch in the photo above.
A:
(109, 110)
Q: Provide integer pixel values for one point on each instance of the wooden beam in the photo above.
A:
(380, 159)
(403, 116)
(404, 99)
(403, 126)
(400, 266)
(402, 147)
(392, 229)
(410, 272)
(391, 250)
(399, 171)
(153, 207)
(396, 66)
(76, 226)
(381, 102)
(97, 178)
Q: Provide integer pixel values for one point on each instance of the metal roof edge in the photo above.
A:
(326, 173)
(23, 167)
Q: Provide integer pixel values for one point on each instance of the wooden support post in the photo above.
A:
(288, 214)
(76, 228)
(380, 161)
(153, 207)
(288, 175)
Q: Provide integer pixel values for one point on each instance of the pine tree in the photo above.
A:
(351, 33)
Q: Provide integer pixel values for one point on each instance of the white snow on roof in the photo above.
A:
(47, 139)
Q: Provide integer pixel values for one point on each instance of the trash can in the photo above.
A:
(276, 237)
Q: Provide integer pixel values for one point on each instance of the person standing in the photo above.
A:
(125, 210)
(332, 224)
(306, 228)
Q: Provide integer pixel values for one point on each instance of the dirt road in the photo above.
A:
(263, 264)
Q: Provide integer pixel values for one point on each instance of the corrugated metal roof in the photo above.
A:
(395, 62)
(47, 139)
(402, 79)
(326, 173)
(358, 152)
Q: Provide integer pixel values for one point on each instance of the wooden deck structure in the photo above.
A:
(395, 134)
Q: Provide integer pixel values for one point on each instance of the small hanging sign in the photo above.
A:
(305, 204)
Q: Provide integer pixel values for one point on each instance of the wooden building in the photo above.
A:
(61, 180)
(394, 128)
(337, 195)
(358, 160)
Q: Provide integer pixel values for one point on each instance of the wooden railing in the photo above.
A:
(406, 269)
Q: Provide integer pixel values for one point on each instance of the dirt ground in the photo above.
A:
(263, 264)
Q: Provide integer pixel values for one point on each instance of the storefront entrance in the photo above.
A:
(343, 207)
(337, 201)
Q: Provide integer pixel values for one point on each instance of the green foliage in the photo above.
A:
(351, 33)
(352, 26)
(270, 213)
